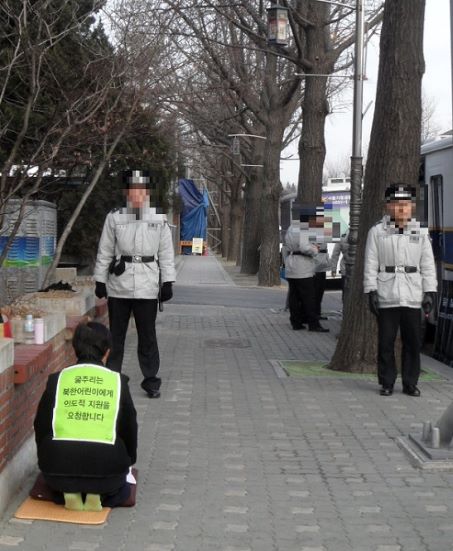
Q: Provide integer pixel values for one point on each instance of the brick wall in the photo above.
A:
(22, 385)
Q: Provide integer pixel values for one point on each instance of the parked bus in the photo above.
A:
(435, 210)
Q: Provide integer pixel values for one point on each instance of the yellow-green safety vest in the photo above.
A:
(87, 404)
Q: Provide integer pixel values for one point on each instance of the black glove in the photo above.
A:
(166, 291)
(373, 303)
(428, 302)
(101, 290)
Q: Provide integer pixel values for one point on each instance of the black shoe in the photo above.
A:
(386, 391)
(298, 327)
(319, 329)
(411, 390)
(153, 393)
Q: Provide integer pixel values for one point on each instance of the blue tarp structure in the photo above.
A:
(195, 210)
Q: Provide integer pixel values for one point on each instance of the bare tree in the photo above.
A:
(226, 54)
(393, 155)
(232, 43)
(38, 110)
(139, 65)
(339, 167)
(328, 33)
(430, 126)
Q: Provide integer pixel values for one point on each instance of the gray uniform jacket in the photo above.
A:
(341, 247)
(322, 259)
(386, 247)
(302, 265)
(124, 235)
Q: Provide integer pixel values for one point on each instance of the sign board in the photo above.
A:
(197, 245)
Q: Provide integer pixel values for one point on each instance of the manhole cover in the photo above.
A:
(227, 343)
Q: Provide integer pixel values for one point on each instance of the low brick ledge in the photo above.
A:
(30, 359)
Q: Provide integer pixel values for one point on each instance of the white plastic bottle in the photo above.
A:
(39, 331)
(29, 329)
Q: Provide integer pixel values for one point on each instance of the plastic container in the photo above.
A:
(29, 329)
(17, 326)
(39, 331)
(6, 327)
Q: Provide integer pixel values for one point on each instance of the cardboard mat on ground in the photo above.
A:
(36, 509)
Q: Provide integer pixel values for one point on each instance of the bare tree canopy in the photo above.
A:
(69, 97)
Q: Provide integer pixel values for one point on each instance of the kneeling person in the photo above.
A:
(86, 427)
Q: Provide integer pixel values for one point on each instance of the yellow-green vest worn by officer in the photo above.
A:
(87, 404)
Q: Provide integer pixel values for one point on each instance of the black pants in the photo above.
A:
(320, 285)
(302, 308)
(144, 311)
(408, 320)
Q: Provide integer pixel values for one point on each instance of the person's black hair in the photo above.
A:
(91, 341)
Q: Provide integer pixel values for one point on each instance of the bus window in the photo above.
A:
(437, 198)
(422, 201)
(437, 216)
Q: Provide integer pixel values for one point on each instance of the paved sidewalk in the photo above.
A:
(235, 458)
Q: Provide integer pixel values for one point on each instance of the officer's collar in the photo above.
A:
(412, 226)
(138, 214)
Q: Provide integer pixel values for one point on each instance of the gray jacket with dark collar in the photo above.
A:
(124, 235)
(387, 247)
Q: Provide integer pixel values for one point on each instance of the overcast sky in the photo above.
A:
(436, 85)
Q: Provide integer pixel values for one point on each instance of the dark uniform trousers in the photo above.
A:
(302, 307)
(408, 320)
(320, 285)
(145, 311)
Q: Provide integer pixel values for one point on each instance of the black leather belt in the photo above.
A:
(298, 252)
(406, 269)
(137, 258)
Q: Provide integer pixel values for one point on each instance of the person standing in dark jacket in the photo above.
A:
(86, 427)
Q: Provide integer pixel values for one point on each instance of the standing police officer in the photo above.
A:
(135, 256)
(400, 279)
(300, 271)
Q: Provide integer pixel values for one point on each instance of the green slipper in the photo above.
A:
(93, 502)
(73, 502)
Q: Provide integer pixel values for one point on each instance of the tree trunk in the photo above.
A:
(393, 156)
(269, 268)
(315, 108)
(251, 232)
(225, 231)
(236, 215)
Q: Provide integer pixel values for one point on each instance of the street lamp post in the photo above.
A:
(356, 158)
